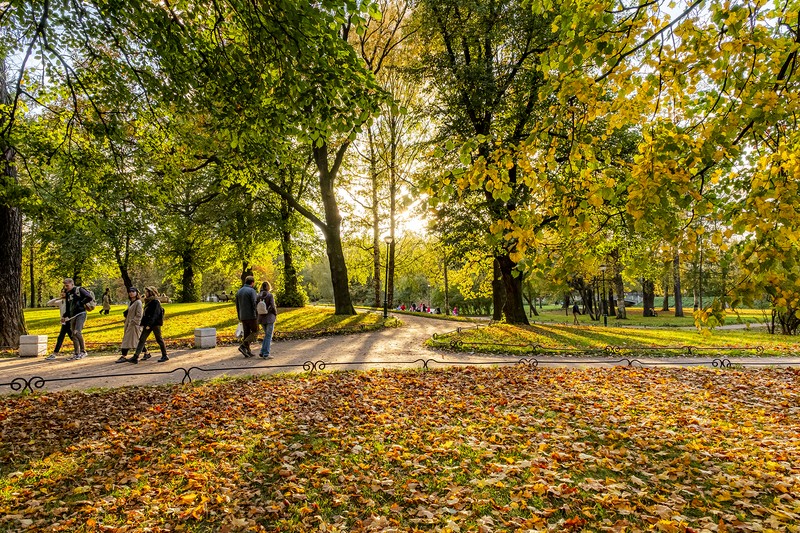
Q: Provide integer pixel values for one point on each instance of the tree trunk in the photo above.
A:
(291, 296)
(188, 292)
(333, 221)
(620, 296)
(33, 281)
(12, 318)
(648, 297)
(446, 289)
(123, 268)
(247, 270)
(376, 237)
(676, 274)
(665, 303)
(498, 291)
(513, 308)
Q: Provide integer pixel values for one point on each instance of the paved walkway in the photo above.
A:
(387, 348)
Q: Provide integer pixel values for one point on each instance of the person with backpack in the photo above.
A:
(78, 302)
(246, 312)
(152, 320)
(267, 315)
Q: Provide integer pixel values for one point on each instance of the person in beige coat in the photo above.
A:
(133, 317)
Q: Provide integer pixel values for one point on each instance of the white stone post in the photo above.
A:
(32, 345)
(205, 338)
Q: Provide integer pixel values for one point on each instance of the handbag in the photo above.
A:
(239, 331)
(261, 307)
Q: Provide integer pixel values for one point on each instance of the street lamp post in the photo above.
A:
(388, 240)
(603, 300)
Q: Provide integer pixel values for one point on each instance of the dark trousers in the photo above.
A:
(143, 339)
(66, 331)
(250, 332)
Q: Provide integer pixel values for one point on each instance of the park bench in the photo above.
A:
(223, 297)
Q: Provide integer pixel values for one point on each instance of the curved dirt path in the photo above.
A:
(388, 348)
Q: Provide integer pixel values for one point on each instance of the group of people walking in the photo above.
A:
(256, 309)
(145, 316)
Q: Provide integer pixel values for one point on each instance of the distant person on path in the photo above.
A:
(106, 302)
(455, 310)
(575, 312)
(133, 329)
(267, 318)
(246, 299)
(61, 303)
(75, 315)
(152, 320)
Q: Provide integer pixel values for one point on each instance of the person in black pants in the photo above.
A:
(66, 327)
(152, 320)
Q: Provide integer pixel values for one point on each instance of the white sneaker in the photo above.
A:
(80, 355)
(72, 357)
(51, 357)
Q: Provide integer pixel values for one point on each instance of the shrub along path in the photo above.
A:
(386, 348)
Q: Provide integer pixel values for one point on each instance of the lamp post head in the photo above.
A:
(603, 267)
(388, 239)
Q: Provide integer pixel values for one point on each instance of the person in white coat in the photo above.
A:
(133, 329)
(66, 330)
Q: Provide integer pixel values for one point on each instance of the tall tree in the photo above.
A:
(484, 60)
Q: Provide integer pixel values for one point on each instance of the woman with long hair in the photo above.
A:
(267, 315)
(152, 320)
(133, 329)
(66, 329)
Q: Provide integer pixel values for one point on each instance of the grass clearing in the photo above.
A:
(496, 449)
(517, 340)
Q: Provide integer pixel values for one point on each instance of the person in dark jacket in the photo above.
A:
(246, 311)
(152, 320)
(76, 300)
(267, 320)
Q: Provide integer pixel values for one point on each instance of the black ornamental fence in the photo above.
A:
(188, 375)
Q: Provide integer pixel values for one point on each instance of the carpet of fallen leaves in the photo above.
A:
(511, 449)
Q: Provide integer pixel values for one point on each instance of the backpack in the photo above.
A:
(261, 307)
(90, 305)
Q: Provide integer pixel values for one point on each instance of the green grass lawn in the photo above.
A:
(635, 318)
(513, 339)
(104, 332)
(511, 449)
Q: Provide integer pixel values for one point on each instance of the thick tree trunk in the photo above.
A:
(676, 275)
(498, 291)
(126, 277)
(513, 308)
(291, 296)
(247, 270)
(123, 269)
(333, 238)
(188, 291)
(648, 297)
(12, 319)
(665, 303)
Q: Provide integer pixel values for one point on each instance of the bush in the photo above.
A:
(295, 298)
